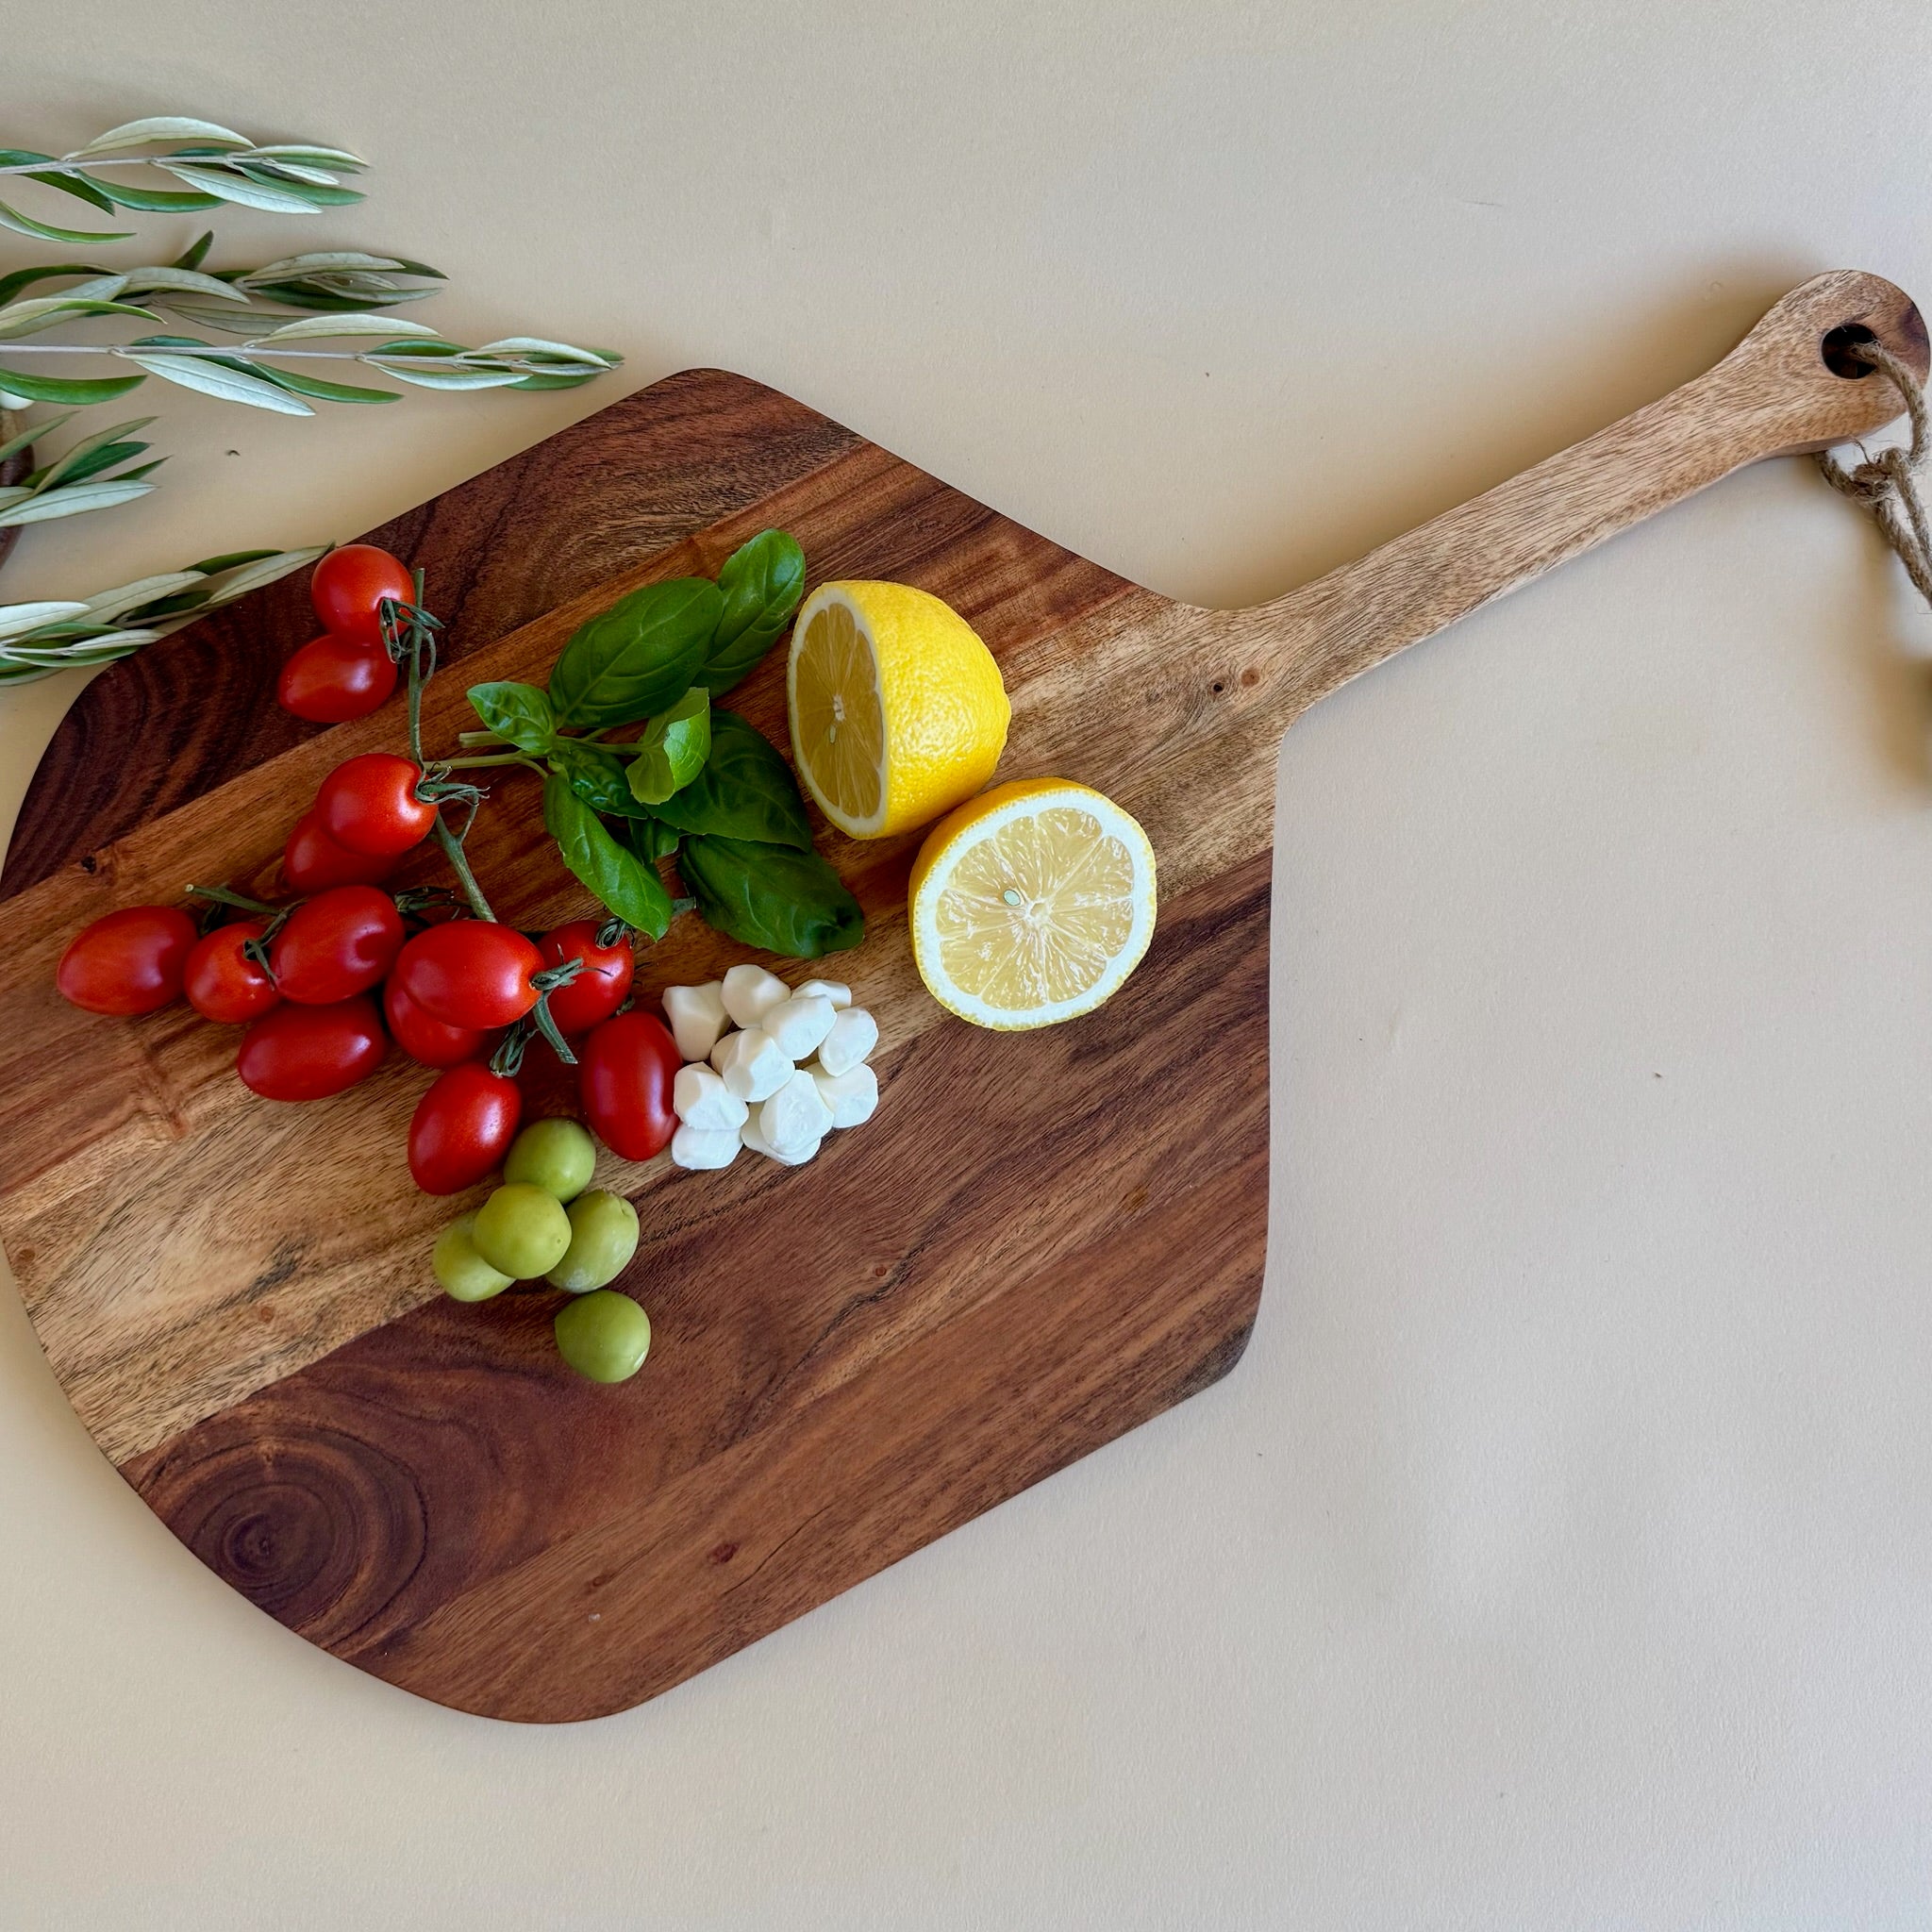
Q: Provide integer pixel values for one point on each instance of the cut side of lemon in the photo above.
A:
(897, 706)
(1031, 903)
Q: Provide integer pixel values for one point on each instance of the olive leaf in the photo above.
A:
(597, 775)
(637, 657)
(773, 896)
(745, 791)
(674, 748)
(18, 389)
(620, 881)
(761, 583)
(518, 713)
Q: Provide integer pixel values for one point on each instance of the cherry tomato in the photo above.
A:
(603, 984)
(463, 1127)
(305, 1053)
(429, 1043)
(470, 972)
(221, 982)
(128, 962)
(334, 680)
(625, 1073)
(368, 804)
(312, 862)
(338, 945)
(350, 583)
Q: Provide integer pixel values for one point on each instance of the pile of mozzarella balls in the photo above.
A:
(771, 1067)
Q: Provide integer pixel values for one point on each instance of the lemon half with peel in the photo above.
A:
(897, 706)
(1031, 903)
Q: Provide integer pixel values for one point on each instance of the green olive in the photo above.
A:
(555, 1156)
(464, 1274)
(521, 1231)
(603, 1238)
(604, 1335)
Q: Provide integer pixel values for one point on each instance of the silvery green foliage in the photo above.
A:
(37, 639)
(213, 165)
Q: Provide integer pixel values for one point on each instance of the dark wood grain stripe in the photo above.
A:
(963, 1417)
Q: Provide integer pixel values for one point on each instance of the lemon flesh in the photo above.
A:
(1032, 904)
(897, 706)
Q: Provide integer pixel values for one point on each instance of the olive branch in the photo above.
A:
(324, 306)
(215, 163)
(235, 299)
(408, 352)
(37, 639)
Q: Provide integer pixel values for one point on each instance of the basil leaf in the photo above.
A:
(597, 777)
(621, 880)
(650, 839)
(638, 655)
(674, 747)
(519, 713)
(772, 896)
(761, 582)
(747, 790)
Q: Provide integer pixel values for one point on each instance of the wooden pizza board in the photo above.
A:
(1038, 1242)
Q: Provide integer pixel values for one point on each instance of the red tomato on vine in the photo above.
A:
(601, 987)
(333, 679)
(462, 1128)
(470, 972)
(369, 805)
(128, 962)
(223, 982)
(624, 1077)
(338, 945)
(306, 1053)
(348, 587)
(312, 862)
(429, 1043)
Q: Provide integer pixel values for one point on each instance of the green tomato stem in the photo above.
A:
(548, 1028)
(499, 757)
(223, 896)
(452, 851)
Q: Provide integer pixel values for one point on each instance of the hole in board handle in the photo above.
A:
(1837, 351)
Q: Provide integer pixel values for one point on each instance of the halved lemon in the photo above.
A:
(897, 709)
(1031, 903)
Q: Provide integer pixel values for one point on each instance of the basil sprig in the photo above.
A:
(697, 783)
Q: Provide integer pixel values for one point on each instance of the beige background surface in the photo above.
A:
(1559, 1556)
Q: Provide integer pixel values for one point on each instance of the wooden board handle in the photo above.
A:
(1774, 394)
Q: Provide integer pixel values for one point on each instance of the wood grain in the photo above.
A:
(1038, 1242)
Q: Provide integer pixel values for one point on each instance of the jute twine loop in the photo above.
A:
(1888, 484)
